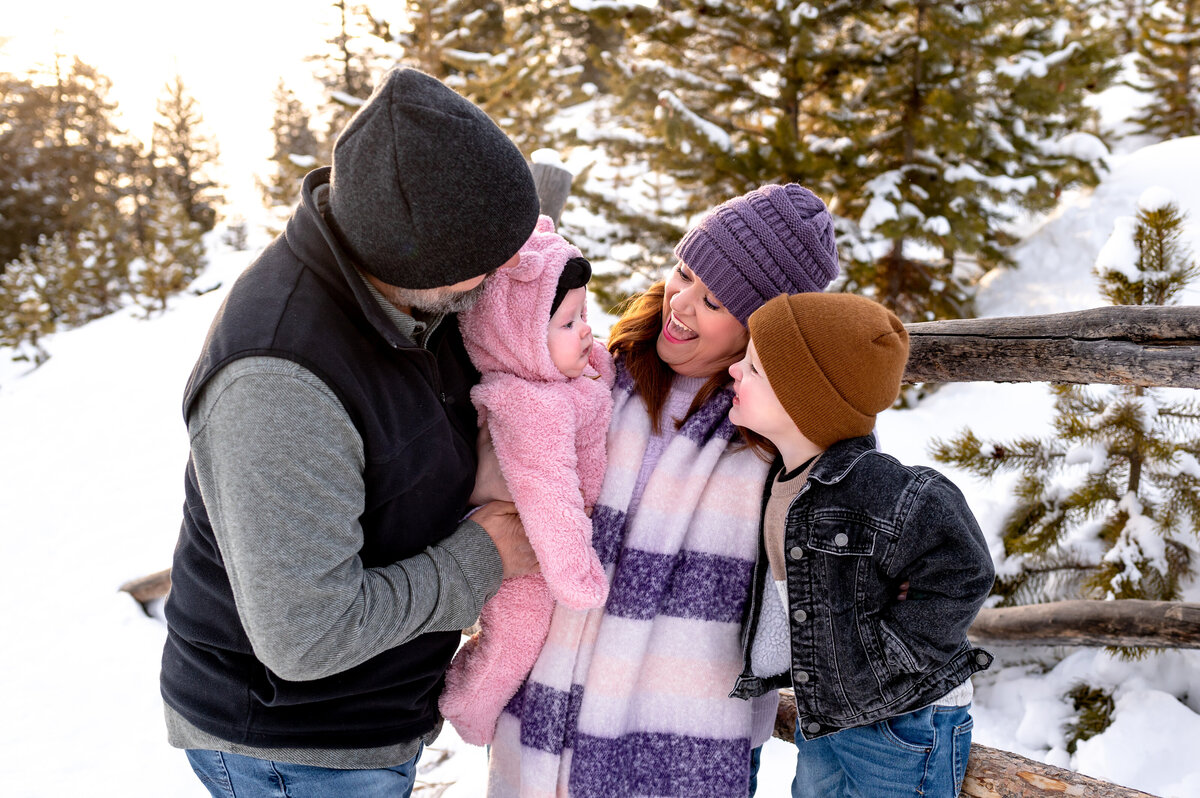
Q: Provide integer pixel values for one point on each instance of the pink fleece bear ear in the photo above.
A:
(533, 254)
(532, 264)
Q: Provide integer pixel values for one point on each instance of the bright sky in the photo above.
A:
(231, 54)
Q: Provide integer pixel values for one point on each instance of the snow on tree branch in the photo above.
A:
(715, 135)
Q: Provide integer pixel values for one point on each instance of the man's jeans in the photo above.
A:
(920, 753)
(235, 776)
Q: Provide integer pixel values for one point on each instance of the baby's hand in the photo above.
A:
(489, 482)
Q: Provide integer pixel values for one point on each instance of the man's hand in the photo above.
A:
(501, 522)
(489, 482)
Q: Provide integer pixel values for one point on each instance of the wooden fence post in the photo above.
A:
(553, 187)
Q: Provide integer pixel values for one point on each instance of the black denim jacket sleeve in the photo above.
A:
(942, 553)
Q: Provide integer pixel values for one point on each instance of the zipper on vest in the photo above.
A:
(435, 375)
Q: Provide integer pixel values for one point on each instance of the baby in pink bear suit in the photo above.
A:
(545, 395)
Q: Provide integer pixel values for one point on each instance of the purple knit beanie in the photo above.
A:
(775, 240)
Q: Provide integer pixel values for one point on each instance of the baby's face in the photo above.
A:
(569, 337)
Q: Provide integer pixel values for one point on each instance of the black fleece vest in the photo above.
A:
(301, 301)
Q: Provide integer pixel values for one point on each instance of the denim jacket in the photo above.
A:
(862, 524)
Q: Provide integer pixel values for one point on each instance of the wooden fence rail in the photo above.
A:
(1124, 622)
(1121, 345)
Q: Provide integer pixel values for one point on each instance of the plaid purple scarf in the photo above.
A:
(632, 699)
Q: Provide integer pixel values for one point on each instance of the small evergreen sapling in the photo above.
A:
(1107, 507)
(297, 152)
(185, 154)
(172, 255)
(28, 297)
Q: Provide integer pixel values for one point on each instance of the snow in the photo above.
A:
(1139, 542)
(1120, 253)
(1035, 64)
(1056, 259)
(715, 135)
(1002, 183)
(1082, 146)
(348, 100)
(618, 6)
(1095, 455)
(548, 156)
(1156, 198)
(303, 161)
(91, 482)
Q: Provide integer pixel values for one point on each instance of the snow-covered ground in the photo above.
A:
(92, 448)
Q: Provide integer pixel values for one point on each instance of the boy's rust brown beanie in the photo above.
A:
(834, 360)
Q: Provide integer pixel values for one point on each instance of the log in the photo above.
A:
(1124, 622)
(553, 186)
(992, 773)
(146, 589)
(1118, 345)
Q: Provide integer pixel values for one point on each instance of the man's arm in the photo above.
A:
(280, 464)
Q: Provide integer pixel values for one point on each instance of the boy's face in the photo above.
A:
(569, 338)
(755, 405)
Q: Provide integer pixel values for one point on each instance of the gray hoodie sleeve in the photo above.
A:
(279, 464)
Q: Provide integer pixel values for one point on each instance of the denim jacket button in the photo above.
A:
(801, 677)
(797, 553)
(981, 658)
(800, 615)
(841, 539)
(812, 728)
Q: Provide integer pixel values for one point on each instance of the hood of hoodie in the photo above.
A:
(506, 329)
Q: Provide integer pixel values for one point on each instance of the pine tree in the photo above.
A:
(96, 281)
(71, 212)
(297, 152)
(919, 122)
(355, 57)
(61, 153)
(185, 154)
(85, 140)
(1122, 17)
(28, 297)
(1168, 47)
(946, 125)
(30, 177)
(520, 62)
(173, 255)
(705, 101)
(1107, 507)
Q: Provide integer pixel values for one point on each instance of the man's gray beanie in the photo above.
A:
(426, 190)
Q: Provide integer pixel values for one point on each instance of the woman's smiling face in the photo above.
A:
(699, 337)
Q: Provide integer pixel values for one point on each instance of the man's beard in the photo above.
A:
(437, 301)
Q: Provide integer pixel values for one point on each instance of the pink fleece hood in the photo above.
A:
(506, 329)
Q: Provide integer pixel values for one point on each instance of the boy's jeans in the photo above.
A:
(920, 753)
(232, 775)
